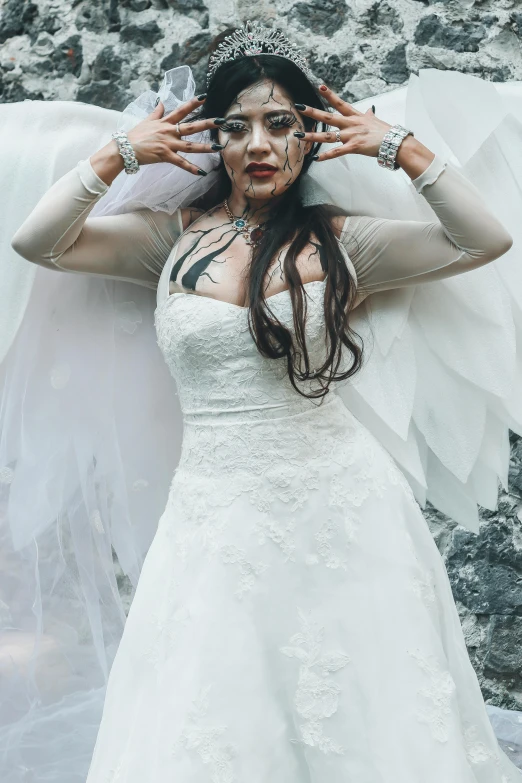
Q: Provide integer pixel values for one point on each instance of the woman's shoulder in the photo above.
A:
(206, 219)
(189, 215)
(338, 224)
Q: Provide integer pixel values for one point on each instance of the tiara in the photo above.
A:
(250, 40)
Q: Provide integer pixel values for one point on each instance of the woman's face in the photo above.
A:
(259, 128)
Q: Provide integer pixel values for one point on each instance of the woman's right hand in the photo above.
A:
(156, 138)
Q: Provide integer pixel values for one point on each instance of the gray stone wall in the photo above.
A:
(485, 572)
(108, 51)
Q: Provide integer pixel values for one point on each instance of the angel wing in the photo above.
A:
(442, 383)
(83, 479)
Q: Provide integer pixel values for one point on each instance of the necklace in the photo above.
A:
(252, 234)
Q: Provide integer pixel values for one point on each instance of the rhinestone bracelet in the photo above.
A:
(127, 153)
(390, 145)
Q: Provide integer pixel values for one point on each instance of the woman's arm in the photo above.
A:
(394, 253)
(59, 234)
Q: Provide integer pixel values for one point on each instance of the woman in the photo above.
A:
(293, 619)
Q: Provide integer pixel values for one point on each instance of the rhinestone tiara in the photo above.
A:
(252, 39)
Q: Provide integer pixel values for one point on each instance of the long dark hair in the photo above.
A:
(290, 222)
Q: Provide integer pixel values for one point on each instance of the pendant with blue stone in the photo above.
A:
(252, 234)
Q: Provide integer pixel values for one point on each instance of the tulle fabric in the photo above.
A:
(91, 428)
(84, 478)
(160, 186)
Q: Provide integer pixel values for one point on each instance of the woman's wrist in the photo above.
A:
(413, 157)
(107, 162)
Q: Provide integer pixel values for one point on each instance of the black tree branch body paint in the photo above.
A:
(196, 270)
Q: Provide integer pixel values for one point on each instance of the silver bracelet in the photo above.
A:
(127, 153)
(390, 145)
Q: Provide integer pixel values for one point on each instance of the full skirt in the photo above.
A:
(293, 623)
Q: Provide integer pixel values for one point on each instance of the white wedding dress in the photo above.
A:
(303, 599)
(293, 621)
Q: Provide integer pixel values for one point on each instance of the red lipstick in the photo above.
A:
(261, 170)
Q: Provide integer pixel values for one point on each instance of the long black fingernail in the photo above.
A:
(300, 106)
(202, 173)
(202, 96)
(219, 120)
(373, 109)
(299, 134)
(315, 157)
(157, 101)
(217, 147)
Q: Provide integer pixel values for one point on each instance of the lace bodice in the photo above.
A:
(216, 364)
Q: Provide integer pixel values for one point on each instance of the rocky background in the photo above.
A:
(108, 51)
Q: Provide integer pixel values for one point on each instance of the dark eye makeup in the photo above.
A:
(280, 121)
(285, 119)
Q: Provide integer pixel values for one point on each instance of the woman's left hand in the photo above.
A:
(361, 133)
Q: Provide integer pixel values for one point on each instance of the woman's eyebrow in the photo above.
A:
(267, 114)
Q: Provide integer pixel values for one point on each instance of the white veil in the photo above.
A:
(90, 426)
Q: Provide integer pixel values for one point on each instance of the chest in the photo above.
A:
(214, 261)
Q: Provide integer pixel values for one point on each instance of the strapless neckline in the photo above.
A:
(232, 305)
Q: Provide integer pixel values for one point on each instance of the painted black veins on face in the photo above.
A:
(259, 127)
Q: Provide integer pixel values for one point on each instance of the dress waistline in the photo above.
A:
(249, 415)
